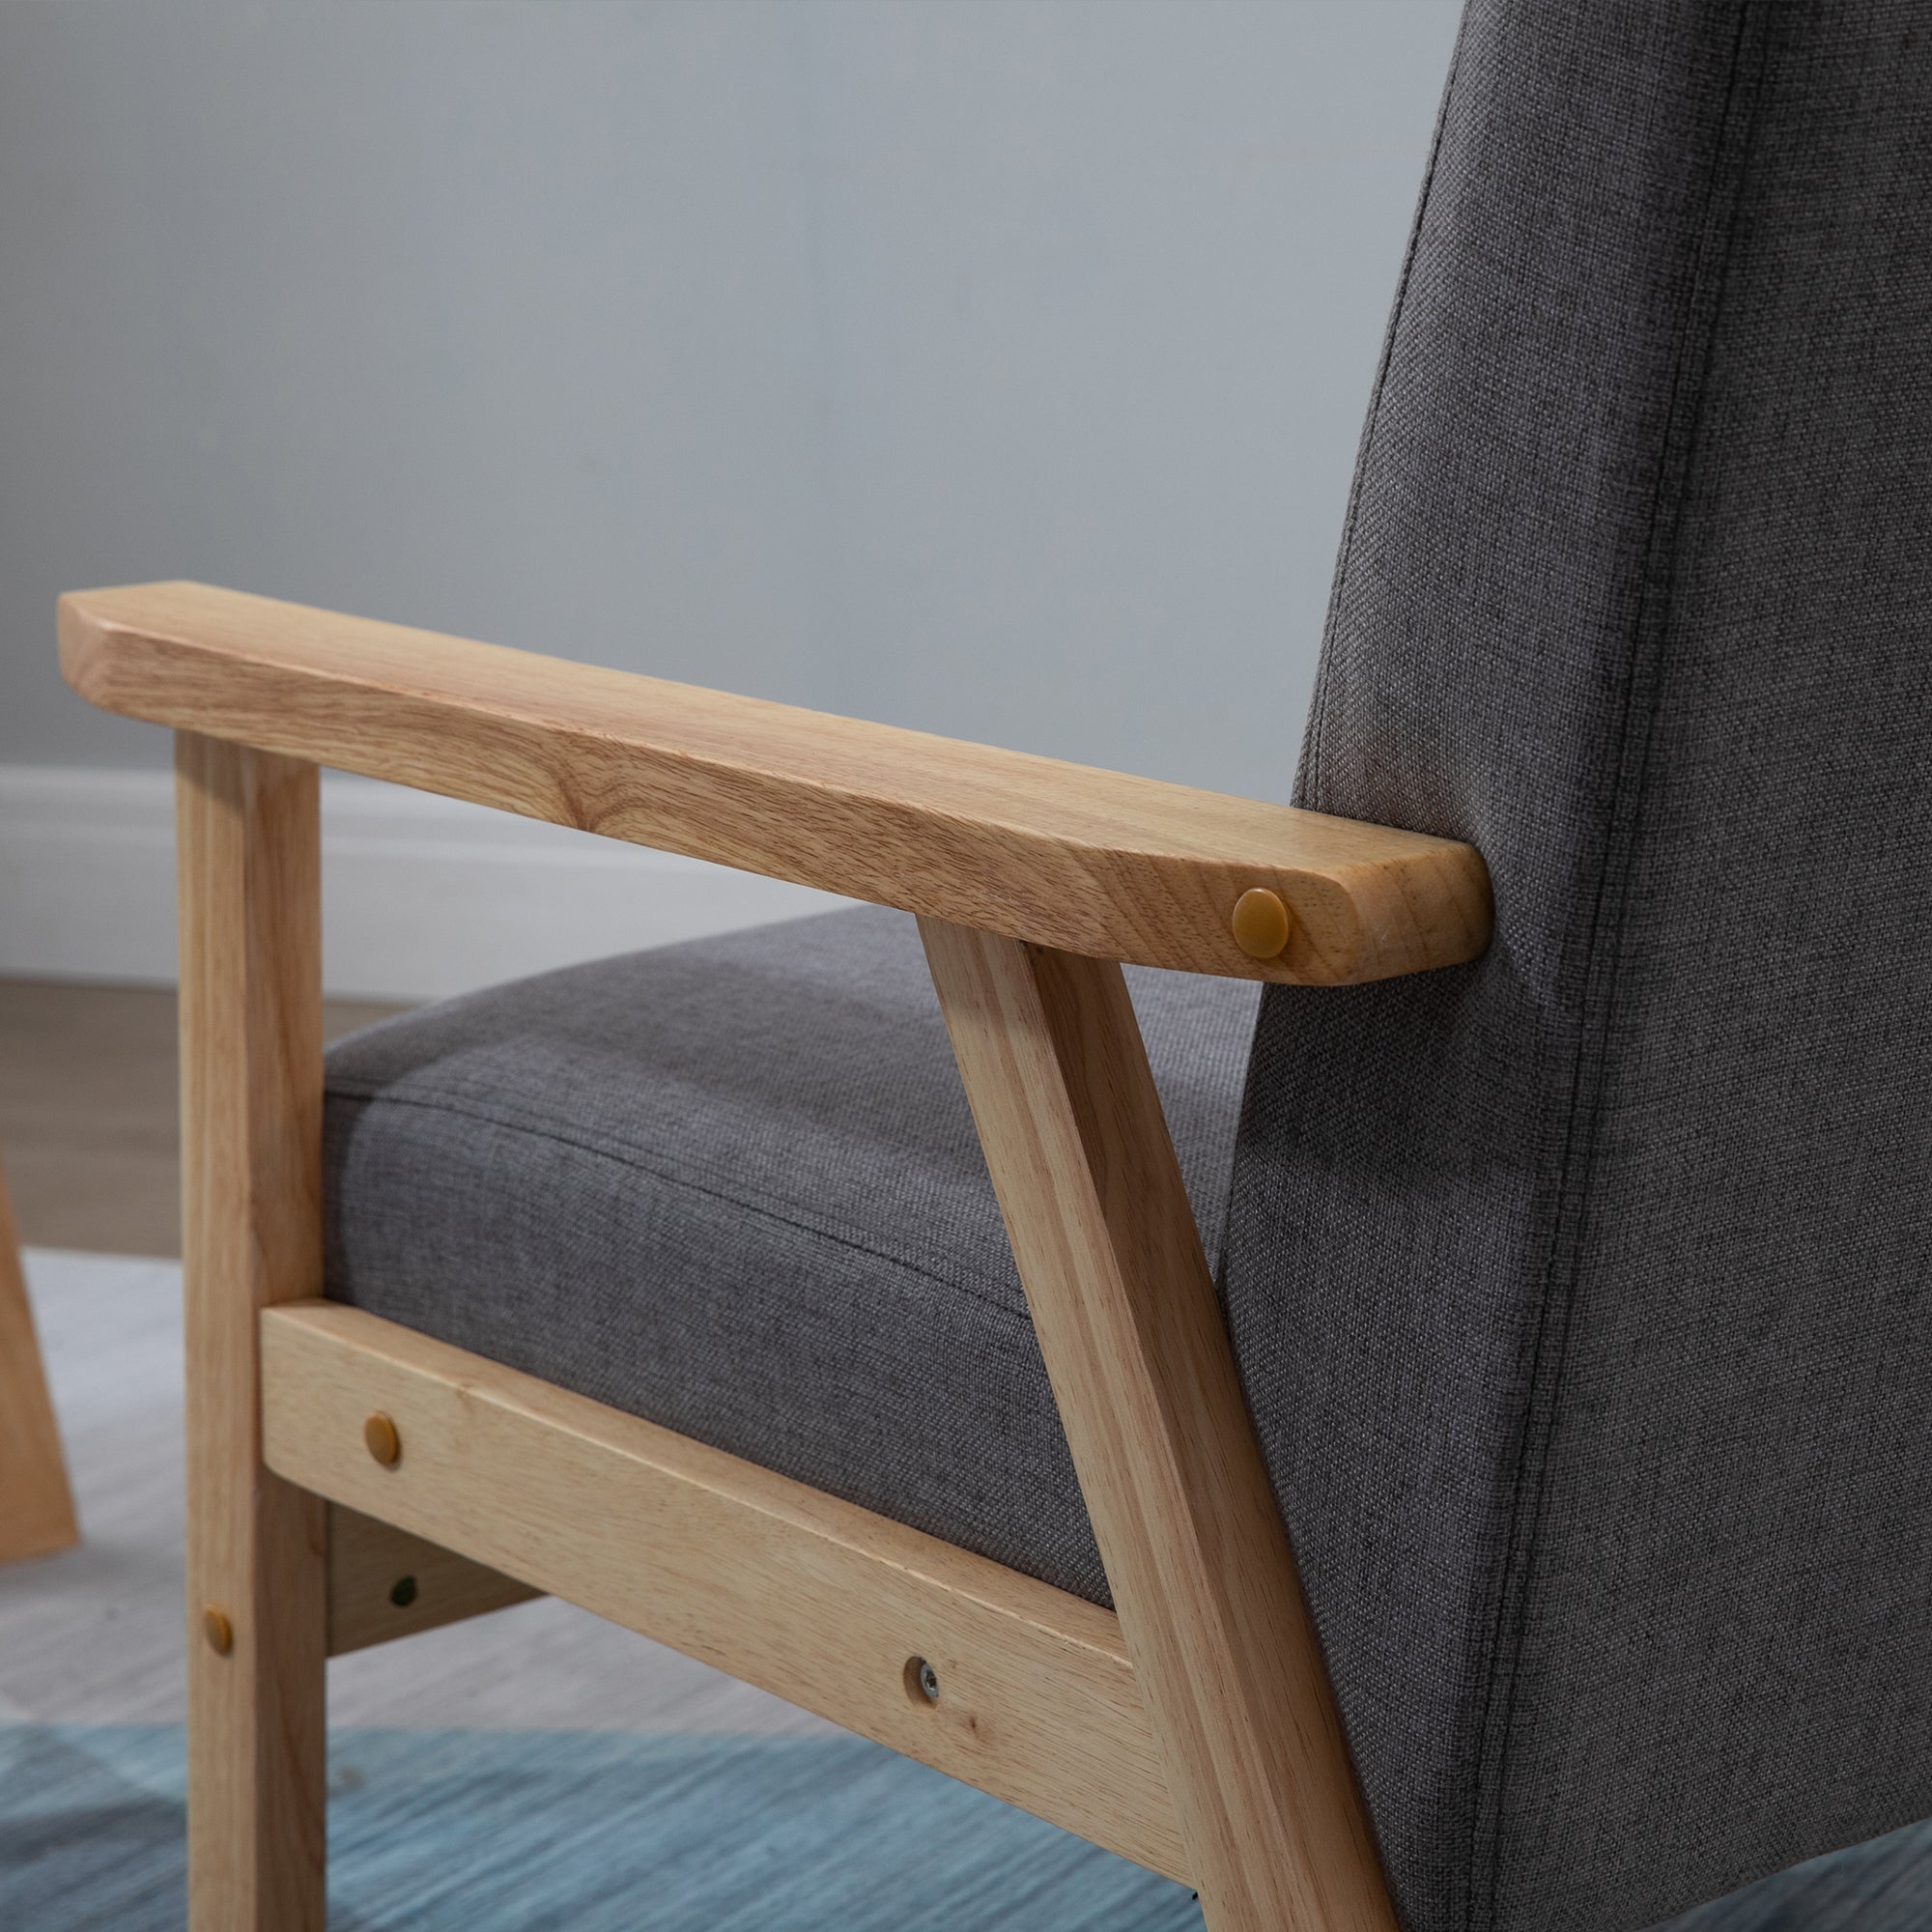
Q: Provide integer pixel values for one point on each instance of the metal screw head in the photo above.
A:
(921, 1681)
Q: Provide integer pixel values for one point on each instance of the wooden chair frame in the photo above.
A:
(331, 1453)
(37, 1515)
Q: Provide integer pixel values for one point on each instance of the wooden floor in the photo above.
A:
(89, 1101)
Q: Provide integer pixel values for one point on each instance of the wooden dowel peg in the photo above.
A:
(385, 1444)
(1262, 923)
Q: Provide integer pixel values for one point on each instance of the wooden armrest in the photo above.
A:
(1086, 861)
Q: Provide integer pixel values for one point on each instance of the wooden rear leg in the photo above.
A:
(1211, 1607)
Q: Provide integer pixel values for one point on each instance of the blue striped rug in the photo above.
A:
(596, 1831)
(475, 1831)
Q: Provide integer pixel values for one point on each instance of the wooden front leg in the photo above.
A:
(249, 858)
(1210, 1604)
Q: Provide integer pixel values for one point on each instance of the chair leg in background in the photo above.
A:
(35, 1504)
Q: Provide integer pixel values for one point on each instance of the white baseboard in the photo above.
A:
(422, 896)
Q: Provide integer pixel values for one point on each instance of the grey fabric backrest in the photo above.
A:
(1582, 1293)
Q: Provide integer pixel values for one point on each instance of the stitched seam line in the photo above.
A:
(953, 1284)
(1605, 948)
(498, 1110)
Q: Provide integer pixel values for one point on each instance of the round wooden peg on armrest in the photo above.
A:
(1260, 923)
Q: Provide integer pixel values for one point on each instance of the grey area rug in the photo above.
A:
(536, 1768)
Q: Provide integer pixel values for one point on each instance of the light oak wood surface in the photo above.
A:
(781, 1585)
(248, 842)
(37, 1514)
(1088, 861)
(369, 1559)
(1223, 1648)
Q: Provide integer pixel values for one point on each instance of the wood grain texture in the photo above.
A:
(1088, 860)
(1210, 1604)
(776, 1584)
(37, 1514)
(249, 856)
(368, 1558)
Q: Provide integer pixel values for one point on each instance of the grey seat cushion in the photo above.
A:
(734, 1187)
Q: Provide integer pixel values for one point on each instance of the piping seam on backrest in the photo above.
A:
(1604, 950)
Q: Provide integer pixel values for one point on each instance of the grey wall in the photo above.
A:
(993, 366)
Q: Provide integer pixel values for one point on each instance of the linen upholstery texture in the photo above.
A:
(734, 1187)
(1582, 1293)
